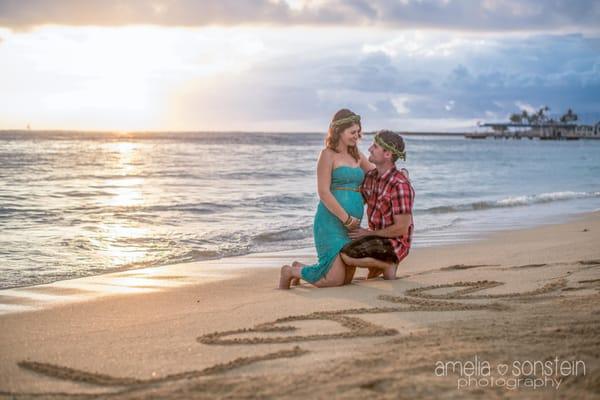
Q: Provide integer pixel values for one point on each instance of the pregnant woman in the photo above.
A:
(340, 171)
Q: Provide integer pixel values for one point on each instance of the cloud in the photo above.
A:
(294, 79)
(488, 15)
(399, 104)
(558, 71)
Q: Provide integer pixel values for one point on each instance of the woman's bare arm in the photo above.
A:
(365, 164)
(324, 170)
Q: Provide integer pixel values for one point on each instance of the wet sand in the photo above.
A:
(220, 329)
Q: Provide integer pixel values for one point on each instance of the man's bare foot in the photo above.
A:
(285, 277)
(374, 272)
(390, 272)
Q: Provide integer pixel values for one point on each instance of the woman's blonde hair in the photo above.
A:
(333, 134)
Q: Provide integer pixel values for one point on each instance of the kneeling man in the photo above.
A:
(389, 196)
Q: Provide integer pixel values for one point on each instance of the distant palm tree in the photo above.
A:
(541, 115)
(516, 118)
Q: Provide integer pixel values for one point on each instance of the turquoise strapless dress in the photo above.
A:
(329, 232)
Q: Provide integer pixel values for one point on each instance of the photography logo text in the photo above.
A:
(531, 374)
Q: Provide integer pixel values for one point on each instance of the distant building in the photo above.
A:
(588, 131)
(545, 131)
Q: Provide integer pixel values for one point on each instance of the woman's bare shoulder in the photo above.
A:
(327, 154)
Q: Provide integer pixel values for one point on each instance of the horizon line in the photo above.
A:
(126, 133)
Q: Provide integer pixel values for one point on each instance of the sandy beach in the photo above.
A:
(220, 329)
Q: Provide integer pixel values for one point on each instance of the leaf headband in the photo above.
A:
(352, 118)
(389, 147)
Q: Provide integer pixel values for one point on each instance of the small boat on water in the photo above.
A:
(476, 135)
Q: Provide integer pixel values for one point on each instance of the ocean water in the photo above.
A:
(77, 204)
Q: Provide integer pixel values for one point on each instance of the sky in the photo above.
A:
(275, 65)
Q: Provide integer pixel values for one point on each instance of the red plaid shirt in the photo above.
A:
(386, 196)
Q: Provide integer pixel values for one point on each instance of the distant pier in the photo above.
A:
(547, 131)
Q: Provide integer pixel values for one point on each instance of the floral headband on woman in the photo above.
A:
(390, 147)
(353, 118)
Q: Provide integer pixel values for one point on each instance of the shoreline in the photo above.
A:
(169, 276)
(450, 238)
(223, 330)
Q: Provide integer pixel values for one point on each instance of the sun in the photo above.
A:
(112, 78)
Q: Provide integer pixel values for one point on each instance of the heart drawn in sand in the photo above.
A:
(502, 369)
(356, 327)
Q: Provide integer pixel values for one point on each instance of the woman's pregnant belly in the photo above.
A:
(351, 202)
